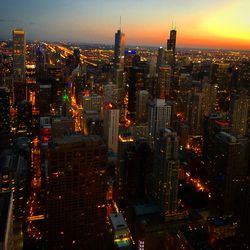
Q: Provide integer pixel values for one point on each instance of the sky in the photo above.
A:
(199, 23)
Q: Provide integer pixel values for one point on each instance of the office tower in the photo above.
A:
(171, 47)
(161, 58)
(239, 114)
(24, 116)
(14, 175)
(138, 160)
(219, 73)
(44, 99)
(77, 56)
(19, 53)
(165, 172)
(159, 116)
(40, 63)
(136, 83)
(76, 192)
(119, 50)
(171, 42)
(209, 93)
(194, 113)
(245, 216)
(6, 221)
(4, 109)
(164, 81)
(111, 128)
(92, 103)
(142, 106)
(110, 94)
(228, 166)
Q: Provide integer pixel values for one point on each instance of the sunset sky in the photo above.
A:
(199, 23)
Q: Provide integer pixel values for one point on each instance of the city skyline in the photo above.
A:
(210, 24)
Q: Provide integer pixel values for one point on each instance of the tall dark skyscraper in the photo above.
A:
(4, 109)
(40, 63)
(119, 49)
(76, 192)
(171, 43)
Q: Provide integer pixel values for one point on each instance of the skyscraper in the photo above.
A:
(76, 192)
(164, 81)
(171, 43)
(111, 128)
(228, 167)
(4, 109)
(159, 116)
(119, 50)
(165, 172)
(40, 63)
(19, 52)
(141, 106)
(239, 114)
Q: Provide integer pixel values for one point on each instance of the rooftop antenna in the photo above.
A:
(175, 26)
(120, 23)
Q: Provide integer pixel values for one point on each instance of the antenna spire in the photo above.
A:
(120, 23)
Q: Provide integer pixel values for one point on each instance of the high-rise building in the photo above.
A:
(239, 114)
(6, 221)
(40, 64)
(159, 116)
(119, 50)
(142, 106)
(76, 192)
(92, 103)
(228, 167)
(171, 42)
(110, 94)
(164, 81)
(19, 53)
(195, 113)
(111, 128)
(4, 109)
(165, 172)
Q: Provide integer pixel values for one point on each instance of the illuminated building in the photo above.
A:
(4, 109)
(110, 93)
(111, 128)
(14, 175)
(164, 81)
(19, 53)
(239, 114)
(209, 92)
(141, 106)
(119, 50)
(195, 113)
(165, 172)
(92, 103)
(76, 187)
(6, 221)
(120, 231)
(159, 116)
